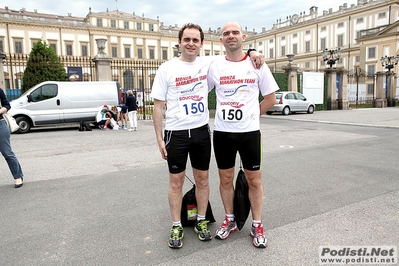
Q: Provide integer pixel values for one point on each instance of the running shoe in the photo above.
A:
(227, 227)
(176, 237)
(201, 228)
(259, 240)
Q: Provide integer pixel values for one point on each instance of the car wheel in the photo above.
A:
(286, 110)
(310, 109)
(269, 113)
(24, 124)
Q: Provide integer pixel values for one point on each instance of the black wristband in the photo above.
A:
(250, 50)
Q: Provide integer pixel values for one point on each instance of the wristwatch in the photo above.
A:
(250, 50)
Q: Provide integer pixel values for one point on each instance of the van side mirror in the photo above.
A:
(29, 98)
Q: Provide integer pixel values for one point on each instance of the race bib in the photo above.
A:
(231, 112)
(191, 105)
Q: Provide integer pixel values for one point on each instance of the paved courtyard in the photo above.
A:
(100, 197)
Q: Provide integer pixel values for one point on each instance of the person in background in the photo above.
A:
(121, 95)
(5, 145)
(115, 117)
(123, 115)
(131, 104)
(115, 111)
(237, 126)
(103, 117)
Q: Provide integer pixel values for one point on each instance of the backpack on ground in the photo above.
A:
(84, 126)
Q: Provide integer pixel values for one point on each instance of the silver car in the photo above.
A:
(290, 102)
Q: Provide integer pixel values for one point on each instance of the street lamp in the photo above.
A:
(331, 56)
(389, 62)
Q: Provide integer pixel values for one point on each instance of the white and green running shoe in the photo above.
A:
(201, 228)
(176, 237)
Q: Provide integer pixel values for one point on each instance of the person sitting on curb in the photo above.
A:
(103, 117)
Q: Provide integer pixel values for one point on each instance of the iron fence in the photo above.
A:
(137, 76)
(132, 74)
(361, 102)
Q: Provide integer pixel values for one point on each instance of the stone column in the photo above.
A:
(391, 89)
(103, 68)
(332, 102)
(102, 62)
(292, 71)
(343, 103)
(380, 97)
(2, 80)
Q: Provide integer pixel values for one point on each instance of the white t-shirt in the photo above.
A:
(101, 115)
(237, 93)
(183, 85)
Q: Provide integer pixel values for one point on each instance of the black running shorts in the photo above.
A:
(194, 142)
(248, 145)
(124, 109)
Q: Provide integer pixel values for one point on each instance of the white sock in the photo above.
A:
(230, 217)
(256, 223)
(178, 223)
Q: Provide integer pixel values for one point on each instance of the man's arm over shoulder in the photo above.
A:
(257, 59)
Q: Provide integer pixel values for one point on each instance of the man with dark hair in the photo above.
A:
(181, 84)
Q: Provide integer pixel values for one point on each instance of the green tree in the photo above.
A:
(43, 65)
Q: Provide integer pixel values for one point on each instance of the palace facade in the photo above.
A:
(364, 32)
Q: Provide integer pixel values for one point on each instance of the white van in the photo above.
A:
(56, 102)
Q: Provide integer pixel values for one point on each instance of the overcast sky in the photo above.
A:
(208, 14)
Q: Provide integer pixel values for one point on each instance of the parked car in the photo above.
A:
(290, 102)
